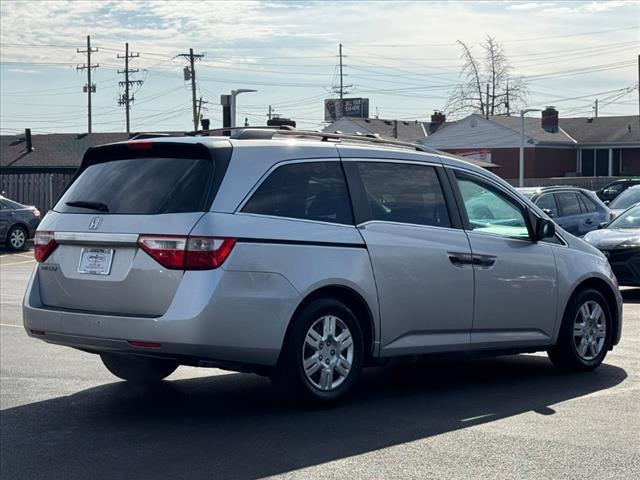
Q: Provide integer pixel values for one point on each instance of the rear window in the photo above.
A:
(141, 186)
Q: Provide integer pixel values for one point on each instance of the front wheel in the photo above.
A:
(585, 333)
(17, 239)
(323, 353)
(138, 369)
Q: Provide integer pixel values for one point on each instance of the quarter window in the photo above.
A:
(404, 193)
(491, 211)
(311, 191)
(587, 204)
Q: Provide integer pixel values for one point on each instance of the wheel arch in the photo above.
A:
(606, 290)
(351, 299)
(15, 225)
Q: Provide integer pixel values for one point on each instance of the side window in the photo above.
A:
(404, 193)
(311, 191)
(491, 211)
(568, 204)
(548, 203)
(587, 204)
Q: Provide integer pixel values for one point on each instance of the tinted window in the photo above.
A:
(404, 193)
(491, 211)
(568, 204)
(547, 202)
(588, 204)
(313, 191)
(142, 186)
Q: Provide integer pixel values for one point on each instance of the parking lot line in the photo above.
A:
(10, 325)
(16, 263)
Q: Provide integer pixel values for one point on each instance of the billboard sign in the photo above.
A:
(334, 108)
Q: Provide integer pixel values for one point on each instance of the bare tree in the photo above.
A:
(488, 86)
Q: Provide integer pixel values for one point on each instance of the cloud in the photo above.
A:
(529, 6)
(24, 71)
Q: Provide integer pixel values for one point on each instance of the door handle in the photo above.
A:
(484, 261)
(588, 221)
(460, 259)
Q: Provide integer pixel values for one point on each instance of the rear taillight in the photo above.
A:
(612, 216)
(36, 212)
(43, 245)
(187, 253)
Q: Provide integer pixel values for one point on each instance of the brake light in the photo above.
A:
(35, 212)
(612, 216)
(187, 253)
(43, 245)
(139, 145)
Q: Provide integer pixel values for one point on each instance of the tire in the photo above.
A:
(138, 369)
(17, 239)
(325, 368)
(585, 335)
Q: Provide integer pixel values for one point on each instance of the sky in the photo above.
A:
(403, 56)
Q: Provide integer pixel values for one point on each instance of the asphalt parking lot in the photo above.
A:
(64, 416)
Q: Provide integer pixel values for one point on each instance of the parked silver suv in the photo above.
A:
(307, 256)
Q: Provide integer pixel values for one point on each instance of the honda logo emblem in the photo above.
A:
(95, 222)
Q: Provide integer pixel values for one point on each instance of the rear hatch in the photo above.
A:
(89, 246)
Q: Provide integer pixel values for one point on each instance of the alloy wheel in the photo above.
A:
(17, 238)
(589, 330)
(327, 353)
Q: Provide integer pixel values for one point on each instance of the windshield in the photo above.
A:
(629, 219)
(626, 199)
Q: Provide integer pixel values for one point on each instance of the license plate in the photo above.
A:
(95, 261)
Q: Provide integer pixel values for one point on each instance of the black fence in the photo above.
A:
(40, 189)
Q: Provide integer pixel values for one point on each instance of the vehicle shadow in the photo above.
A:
(631, 295)
(236, 426)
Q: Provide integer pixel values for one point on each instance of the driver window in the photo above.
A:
(491, 211)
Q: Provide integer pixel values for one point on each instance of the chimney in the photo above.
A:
(550, 119)
(27, 138)
(437, 119)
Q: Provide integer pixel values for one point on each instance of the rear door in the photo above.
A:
(419, 253)
(591, 216)
(119, 195)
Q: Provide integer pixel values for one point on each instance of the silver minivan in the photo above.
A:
(306, 257)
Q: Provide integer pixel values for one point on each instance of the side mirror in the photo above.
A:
(544, 228)
(607, 202)
(548, 212)
(603, 225)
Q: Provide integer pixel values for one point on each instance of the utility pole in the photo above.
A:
(89, 87)
(596, 108)
(270, 111)
(507, 103)
(487, 109)
(191, 74)
(126, 99)
(341, 84)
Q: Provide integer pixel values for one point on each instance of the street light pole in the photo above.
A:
(521, 165)
(232, 102)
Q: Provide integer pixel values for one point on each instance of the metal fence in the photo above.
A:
(40, 189)
(590, 183)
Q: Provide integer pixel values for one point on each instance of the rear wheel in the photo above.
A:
(323, 353)
(138, 369)
(17, 238)
(585, 333)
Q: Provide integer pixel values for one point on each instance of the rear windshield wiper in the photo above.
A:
(102, 207)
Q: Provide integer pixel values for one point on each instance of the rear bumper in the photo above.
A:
(215, 316)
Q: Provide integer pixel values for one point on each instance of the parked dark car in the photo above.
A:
(576, 210)
(620, 242)
(613, 189)
(18, 223)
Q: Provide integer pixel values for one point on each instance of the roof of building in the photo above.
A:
(581, 130)
(603, 130)
(57, 150)
(403, 130)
